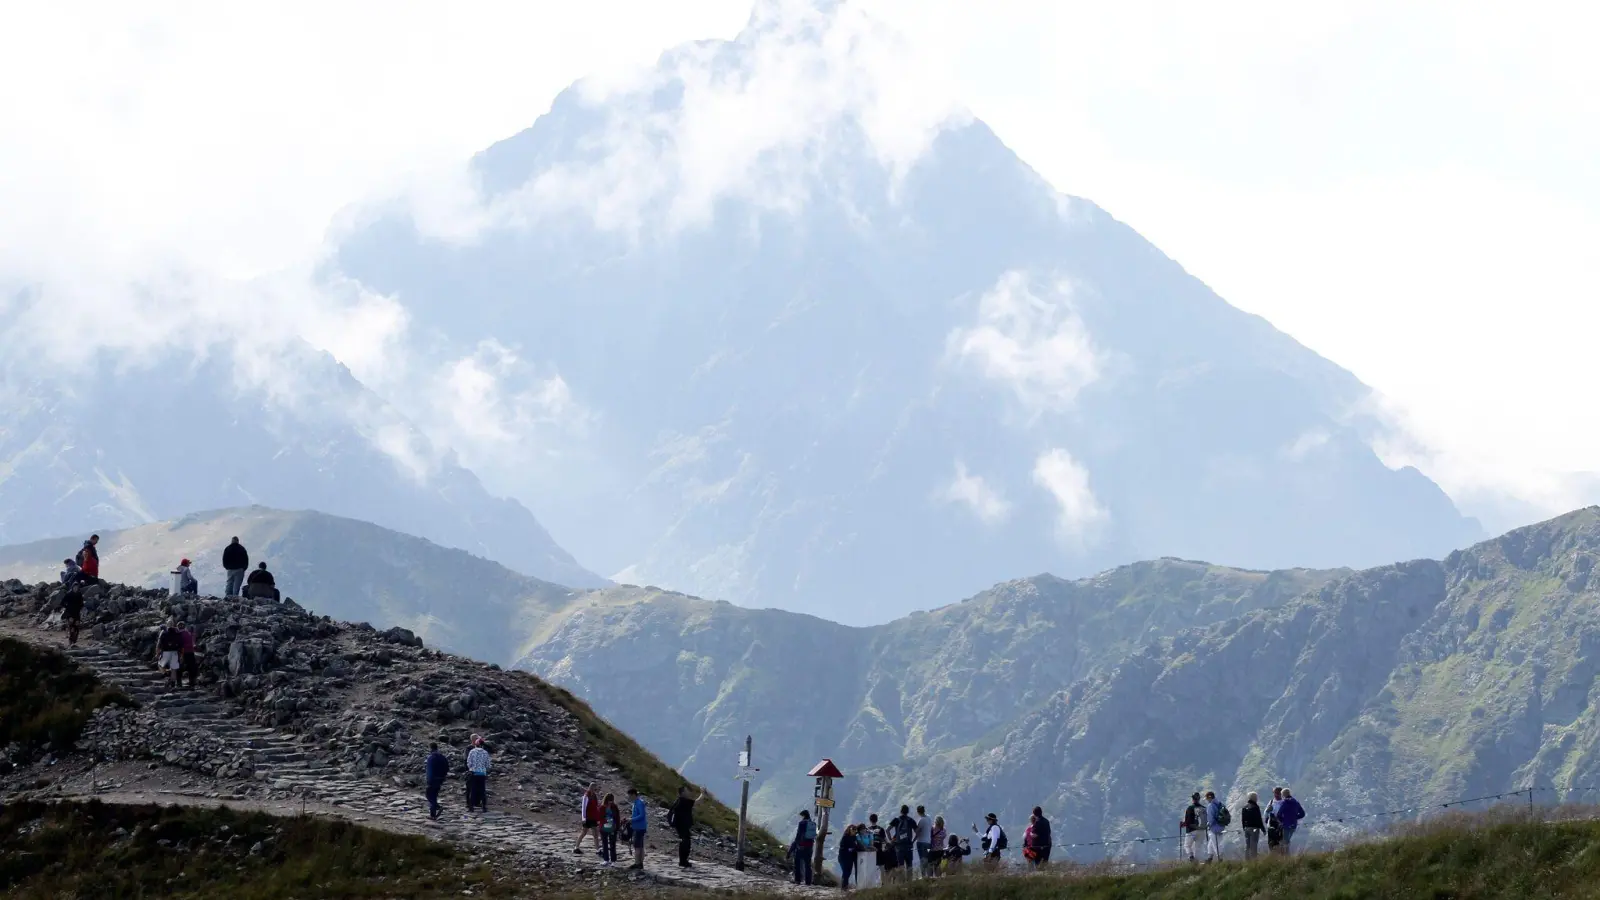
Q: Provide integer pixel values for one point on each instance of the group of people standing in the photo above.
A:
(84, 570)
(917, 847)
(603, 820)
(1210, 819)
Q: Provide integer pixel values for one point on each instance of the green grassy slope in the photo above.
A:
(46, 699)
(1459, 862)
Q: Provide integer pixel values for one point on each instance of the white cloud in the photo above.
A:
(1080, 514)
(986, 502)
(758, 119)
(1030, 339)
(1307, 443)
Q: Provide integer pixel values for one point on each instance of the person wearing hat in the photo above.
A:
(184, 581)
(994, 839)
(478, 776)
(805, 838)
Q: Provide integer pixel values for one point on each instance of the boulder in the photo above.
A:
(402, 636)
(249, 657)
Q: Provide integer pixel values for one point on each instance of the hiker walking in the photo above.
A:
(1274, 824)
(848, 850)
(1041, 838)
(1290, 812)
(681, 818)
(261, 584)
(589, 818)
(477, 775)
(639, 824)
(994, 841)
(924, 842)
(1251, 821)
(189, 664)
(1194, 819)
(903, 831)
(89, 559)
(805, 838)
(435, 770)
(235, 561)
(169, 653)
(610, 825)
(936, 839)
(1217, 819)
(72, 613)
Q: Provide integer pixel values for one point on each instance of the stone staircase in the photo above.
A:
(282, 762)
(277, 755)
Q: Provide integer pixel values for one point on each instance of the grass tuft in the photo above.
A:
(46, 699)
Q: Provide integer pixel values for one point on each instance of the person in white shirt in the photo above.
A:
(994, 840)
(477, 776)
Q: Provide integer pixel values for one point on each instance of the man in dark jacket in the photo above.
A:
(236, 560)
(1194, 820)
(72, 613)
(1041, 837)
(436, 770)
(262, 584)
(681, 818)
(1290, 812)
(903, 833)
(1253, 823)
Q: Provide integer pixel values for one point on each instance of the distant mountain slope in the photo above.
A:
(691, 677)
(333, 566)
(130, 441)
(1414, 683)
(830, 381)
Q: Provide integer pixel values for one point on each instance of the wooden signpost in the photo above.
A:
(822, 799)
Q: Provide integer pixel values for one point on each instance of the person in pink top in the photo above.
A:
(190, 664)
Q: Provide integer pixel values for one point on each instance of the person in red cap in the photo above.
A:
(185, 580)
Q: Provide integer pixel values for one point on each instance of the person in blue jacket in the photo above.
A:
(639, 823)
(438, 769)
(1290, 812)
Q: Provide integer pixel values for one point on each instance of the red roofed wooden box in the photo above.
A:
(825, 769)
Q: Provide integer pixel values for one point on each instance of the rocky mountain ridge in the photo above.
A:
(1408, 684)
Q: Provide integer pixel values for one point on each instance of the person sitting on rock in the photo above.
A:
(89, 559)
(71, 572)
(187, 584)
(261, 584)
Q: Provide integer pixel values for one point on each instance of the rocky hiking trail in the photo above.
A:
(225, 757)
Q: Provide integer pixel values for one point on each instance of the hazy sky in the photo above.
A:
(1409, 189)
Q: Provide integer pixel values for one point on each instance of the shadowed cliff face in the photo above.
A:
(1416, 683)
(693, 677)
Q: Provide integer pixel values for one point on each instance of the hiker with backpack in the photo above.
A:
(169, 653)
(1217, 819)
(1274, 824)
(589, 819)
(610, 827)
(956, 849)
(903, 833)
(805, 838)
(1194, 819)
(89, 560)
(994, 841)
(877, 844)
